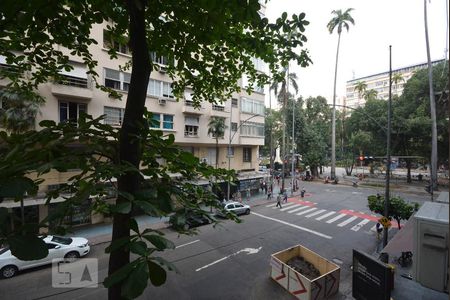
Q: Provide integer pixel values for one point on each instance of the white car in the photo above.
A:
(58, 248)
(236, 207)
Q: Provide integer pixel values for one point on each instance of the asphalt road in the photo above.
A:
(231, 261)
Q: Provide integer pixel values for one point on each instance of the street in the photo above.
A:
(231, 261)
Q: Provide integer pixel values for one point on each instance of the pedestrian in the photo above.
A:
(379, 230)
(279, 201)
(285, 197)
(248, 194)
(269, 194)
(302, 192)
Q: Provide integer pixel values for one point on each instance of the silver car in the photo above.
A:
(58, 248)
(235, 207)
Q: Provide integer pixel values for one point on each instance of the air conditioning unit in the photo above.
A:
(162, 69)
(162, 101)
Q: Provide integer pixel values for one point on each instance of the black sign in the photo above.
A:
(371, 278)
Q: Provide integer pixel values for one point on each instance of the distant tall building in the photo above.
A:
(380, 83)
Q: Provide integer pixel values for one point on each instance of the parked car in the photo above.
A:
(235, 207)
(58, 248)
(191, 219)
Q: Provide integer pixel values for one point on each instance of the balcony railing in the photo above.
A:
(218, 107)
(73, 81)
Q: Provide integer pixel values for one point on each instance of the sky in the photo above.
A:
(364, 49)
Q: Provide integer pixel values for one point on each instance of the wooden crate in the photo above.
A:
(322, 287)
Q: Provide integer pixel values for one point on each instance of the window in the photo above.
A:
(247, 154)
(234, 102)
(159, 89)
(162, 60)
(234, 126)
(110, 43)
(218, 107)
(117, 80)
(161, 121)
(252, 129)
(258, 64)
(252, 106)
(230, 151)
(191, 124)
(113, 115)
(70, 111)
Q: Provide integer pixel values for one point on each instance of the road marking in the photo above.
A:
(297, 209)
(356, 193)
(325, 215)
(270, 205)
(285, 205)
(336, 218)
(289, 207)
(248, 250)
(359, 225)
(187, 244)
(315, 213)
(293, 225)
(306, 211)
(349, 220)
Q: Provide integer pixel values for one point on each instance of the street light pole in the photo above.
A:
(388, 150)
(293, 143)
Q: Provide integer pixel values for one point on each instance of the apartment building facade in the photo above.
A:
(67, 99)
(380, 83)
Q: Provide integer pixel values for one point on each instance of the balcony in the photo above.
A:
(189, 108)
(73, 87)
(219, 111)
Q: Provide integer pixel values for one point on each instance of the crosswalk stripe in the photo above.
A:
(336, 218)
(374, 228)
(270, 205)
(306, 211)
(359, 225)
(315, 213)
(325, 215)
(285, 205)
(289, 207)
(297, 209)
(349, 220)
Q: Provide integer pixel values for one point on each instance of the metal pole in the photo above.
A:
(229, 150)
(284, 132)
(293, 143)
(271, 143)
(388, 149)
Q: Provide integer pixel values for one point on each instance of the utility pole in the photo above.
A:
(229, 148)
(271, 142)
(293, 144)
(388, 150)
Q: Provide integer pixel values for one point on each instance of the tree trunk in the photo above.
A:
(408, 172)
(129, 147)
(333, 121)
(433, 166)
(398, 223)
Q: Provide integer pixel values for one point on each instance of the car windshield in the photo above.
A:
(62, 240)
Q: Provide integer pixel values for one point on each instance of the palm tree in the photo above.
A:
(396, 79)
(370, 94)
(432, 107)
(361, 88)
(340, 19)
(216, 128)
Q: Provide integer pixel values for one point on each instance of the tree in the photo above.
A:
(398, 209)
(396, 79)
(191, 34)
(361, 88)
(370, 94)
(434, 152)
(216, 128)
(340, 19)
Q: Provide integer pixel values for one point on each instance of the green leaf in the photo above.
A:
(139, 248)
(27, 247)
(119, 275)
(161, 243)
(134, 225)
(157, 273)
(136, 282)
(122, 208)
(145, 206)
(16, 187)
(166, 263)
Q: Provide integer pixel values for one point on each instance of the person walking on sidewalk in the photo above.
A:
(269, 193)
(302, 192)
(285, 197)
(279, 201)
(379, 230)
